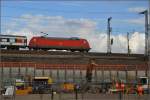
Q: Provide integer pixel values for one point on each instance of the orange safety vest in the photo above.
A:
(140, 90)
(117, 85)
(122, 87)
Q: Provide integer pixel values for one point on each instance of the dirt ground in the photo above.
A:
(86, 96)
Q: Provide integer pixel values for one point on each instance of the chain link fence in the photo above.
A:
(41, 90)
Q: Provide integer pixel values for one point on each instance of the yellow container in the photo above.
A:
(24, 91)
(68, 86)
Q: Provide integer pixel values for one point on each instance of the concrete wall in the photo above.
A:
(62, 75)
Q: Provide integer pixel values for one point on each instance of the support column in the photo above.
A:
(96, 75)
(50, 73)
(10, 72)
(43, 74)
(26, 71)
(117, 75)
(126, 72)
(110, 75)
(65, 74)
(80, 75)
(19, 70)
(146, 73)
(103, 78)
(34, 70)
(74, 74)
(136, 74)
(58, 79)
(103, 74)
(2, 75)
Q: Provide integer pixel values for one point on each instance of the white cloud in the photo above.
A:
(137, 42)
(119, 44)
(139, 21)
(136, 9)
(32, 25)
(58, 24)
(136, 20)
(98, 42)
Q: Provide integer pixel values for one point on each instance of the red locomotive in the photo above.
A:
(44, 43)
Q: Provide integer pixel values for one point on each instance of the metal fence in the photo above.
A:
(82, 91)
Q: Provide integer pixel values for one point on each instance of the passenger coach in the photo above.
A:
(13, 42)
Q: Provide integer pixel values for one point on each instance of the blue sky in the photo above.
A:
(85, 16)
(96, 10)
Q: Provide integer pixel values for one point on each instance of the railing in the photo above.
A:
(122, 67)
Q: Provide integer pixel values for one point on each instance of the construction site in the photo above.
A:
(62, 71)
(54, 65)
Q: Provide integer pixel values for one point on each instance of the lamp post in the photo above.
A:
(147, 42)
(108, 35)
(146, 30)
(128, 43)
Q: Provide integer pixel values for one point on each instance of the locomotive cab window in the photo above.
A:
(75, 38)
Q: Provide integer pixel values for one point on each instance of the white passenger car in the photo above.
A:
(13, 42)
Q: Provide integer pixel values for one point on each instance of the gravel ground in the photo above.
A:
(86, 96)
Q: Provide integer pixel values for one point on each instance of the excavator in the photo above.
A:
(89, 70)
(89, 86)
(94, 87)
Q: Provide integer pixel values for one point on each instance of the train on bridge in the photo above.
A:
(44, 43)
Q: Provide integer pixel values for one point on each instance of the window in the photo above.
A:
(4, 40)
(19, 40)
(75, 38)
(12, 40)
(143, 80)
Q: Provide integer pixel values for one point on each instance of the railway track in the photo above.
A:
(27, 53)
(67, 58)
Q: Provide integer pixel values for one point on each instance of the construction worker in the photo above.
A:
(122, 87)
(140, 90)
(117, 85)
